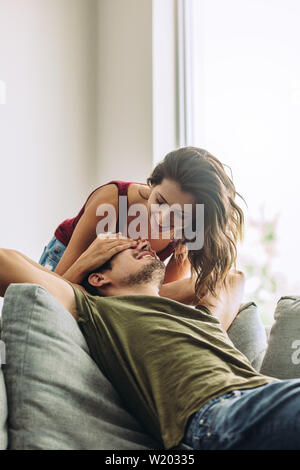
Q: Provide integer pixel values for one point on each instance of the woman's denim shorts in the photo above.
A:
(52, 254)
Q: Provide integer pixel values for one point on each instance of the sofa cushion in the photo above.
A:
(3, 399)
(282, 358)
(248, 334)
(3, 407)
(57, 396)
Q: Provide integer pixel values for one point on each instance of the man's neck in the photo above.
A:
(135, 290)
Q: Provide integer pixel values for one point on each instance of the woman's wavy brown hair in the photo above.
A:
(203, 175)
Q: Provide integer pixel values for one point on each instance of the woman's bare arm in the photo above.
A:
(85, 231)
(175, 271)
(182, 290)
(224, 305)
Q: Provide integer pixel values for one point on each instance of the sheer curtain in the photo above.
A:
(245, 85)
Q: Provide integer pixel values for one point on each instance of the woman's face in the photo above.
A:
(166, 204)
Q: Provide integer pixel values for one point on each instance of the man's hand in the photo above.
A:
(102, 249)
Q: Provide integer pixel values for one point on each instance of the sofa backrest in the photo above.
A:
(57, 397)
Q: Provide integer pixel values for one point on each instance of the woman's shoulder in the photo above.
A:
(111, 191)
(107, 192)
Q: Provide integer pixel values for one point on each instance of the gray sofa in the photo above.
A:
(56, 396)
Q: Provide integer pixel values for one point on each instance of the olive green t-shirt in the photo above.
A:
(165, 359)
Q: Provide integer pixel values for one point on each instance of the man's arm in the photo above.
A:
(17, 268)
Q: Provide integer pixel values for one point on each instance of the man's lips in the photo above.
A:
(146, 253)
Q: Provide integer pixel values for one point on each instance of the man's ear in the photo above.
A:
(98, 280)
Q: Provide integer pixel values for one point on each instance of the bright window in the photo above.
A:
(245, 107)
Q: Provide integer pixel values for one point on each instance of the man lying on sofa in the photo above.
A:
(173, 365)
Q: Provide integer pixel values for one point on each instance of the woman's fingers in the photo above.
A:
(118, 248)
(113, 237)
(104, 247)
(114, 243)
(110, 238)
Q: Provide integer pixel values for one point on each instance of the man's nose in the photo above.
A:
(143, 245)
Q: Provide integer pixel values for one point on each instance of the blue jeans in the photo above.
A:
(262, 418)
(52, 254)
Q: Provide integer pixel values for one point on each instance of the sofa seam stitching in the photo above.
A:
(22, 417)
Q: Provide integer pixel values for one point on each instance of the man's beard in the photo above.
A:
(151, 273)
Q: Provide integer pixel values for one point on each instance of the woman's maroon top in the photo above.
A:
(65, 230)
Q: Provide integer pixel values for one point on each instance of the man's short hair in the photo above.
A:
(85, 283)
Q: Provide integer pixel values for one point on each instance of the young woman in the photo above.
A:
(186, 176)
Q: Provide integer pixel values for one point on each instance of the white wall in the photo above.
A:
(136, 86)
(48, 125)
(164, 79)
(124, 89)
